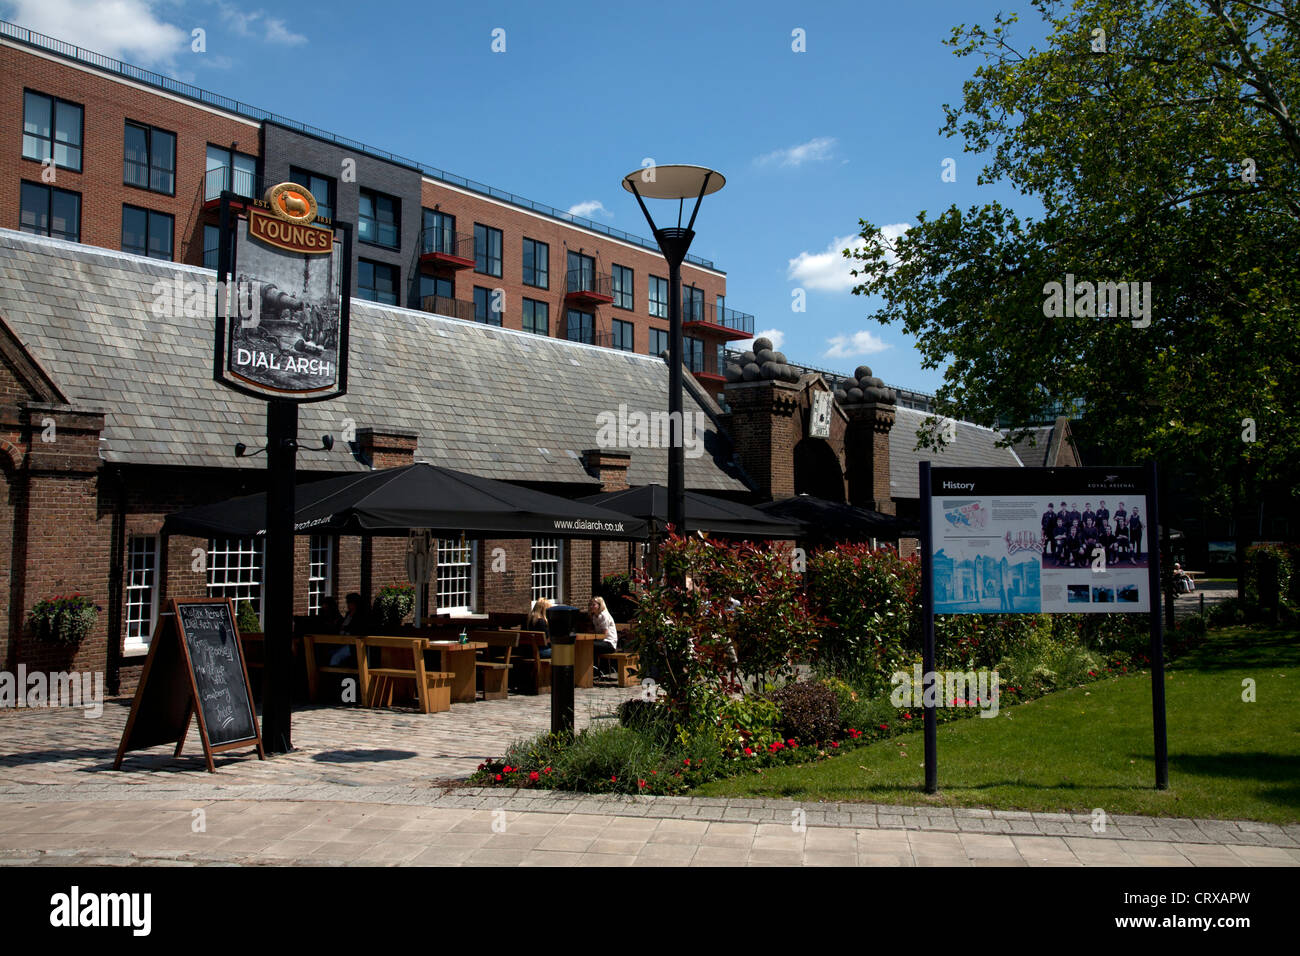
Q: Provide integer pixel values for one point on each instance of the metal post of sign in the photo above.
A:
(281, 462)
(927, 624)
(1157, 636)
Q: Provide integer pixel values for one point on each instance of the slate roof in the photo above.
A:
(493, 402)
(973, 446)
(1034, 447)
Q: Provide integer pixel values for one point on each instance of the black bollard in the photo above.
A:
(562, 623)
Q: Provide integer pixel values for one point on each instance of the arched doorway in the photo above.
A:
(817, 470)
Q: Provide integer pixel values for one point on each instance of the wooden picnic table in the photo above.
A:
(584, 659)
(461, 660)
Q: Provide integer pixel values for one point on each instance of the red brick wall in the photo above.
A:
(106, 106)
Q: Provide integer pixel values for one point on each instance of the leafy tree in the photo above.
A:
(1160, 139)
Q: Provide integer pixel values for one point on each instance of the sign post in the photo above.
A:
(281, 336)
(1029, 540)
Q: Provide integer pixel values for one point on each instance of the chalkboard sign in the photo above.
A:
(212, 645)
(195, 668)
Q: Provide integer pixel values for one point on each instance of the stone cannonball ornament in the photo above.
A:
(779, 358)
(768, 370)
(862, 371)
(841, 395)
(873, 394)
(746, 358)
(763, 356)
(732, 372)
(855, 394)
(750, 372)
(761, 344)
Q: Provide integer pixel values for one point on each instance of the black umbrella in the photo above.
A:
(703, 513)
(836, 521)
(392, 501)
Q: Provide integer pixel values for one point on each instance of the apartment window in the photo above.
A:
(146, 232)
(149, 158)
(235, 570)
(547, 559)
(582, 272)
(537, 317)
(659, 297)
(623, 335)
(377, 282)
(439, 233)
(47, 211)
(488, 307)
(487, 250)
(322, 187)
(320, 567)
(658, 341)
(226, 169)
(52, 128)
(141, 589)
(693, 350)
(440, 286)
(211, 246)
(692, 304)
(622, 282)
(537, 264)
(455, 574)
(377, 219)
(580, 327)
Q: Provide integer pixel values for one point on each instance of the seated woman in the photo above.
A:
(536, 621)
(602, 622)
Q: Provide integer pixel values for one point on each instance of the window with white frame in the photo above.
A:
(141, 589)
(455, 574)
(235, 570)
(320, 565)
(548, 553)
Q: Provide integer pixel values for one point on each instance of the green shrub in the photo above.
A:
(393, 603)
(1268, 578)
(247, 620)
(809, 711)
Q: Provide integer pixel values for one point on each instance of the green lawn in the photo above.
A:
(1092, 746)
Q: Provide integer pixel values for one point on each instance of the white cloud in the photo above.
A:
(815, 149)
(125, 29)
(589, 208)
(829, 271)
(269, 29)
(855, 345)
(776, 335)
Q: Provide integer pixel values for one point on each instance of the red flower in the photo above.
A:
(749, 752)
(791, 743)
(907, 716)
(613, 779)
(546, 769)
(884, 726)
(686, 762)
(498, 778)
(640, 784)
(508, 769)
(534, 776)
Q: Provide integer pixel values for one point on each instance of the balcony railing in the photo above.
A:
(742, 323)
(703, 362)
(241, 182)
(589, 285)
(453, 308)
(445, 247)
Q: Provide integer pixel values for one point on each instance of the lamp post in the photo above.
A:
(680, 183)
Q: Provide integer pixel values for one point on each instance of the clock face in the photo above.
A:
(820, 423)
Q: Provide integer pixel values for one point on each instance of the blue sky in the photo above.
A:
(584, 92)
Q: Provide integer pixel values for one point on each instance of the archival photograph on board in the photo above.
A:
(285, 334)
(1072, 537)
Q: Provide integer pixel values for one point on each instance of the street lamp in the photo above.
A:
(680, 183)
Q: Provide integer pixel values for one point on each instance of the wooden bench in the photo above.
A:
(309, 642)
(494, 666)
(432, 688)
(625, 666)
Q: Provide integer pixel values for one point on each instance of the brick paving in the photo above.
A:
(372, 787)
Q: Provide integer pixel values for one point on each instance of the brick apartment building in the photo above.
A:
(109, 418)
(105, 153)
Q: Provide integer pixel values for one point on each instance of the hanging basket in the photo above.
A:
(63, 620)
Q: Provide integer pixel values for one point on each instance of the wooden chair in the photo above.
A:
(494, 666)
(535, 667)
(432, 688)
(309, 642)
